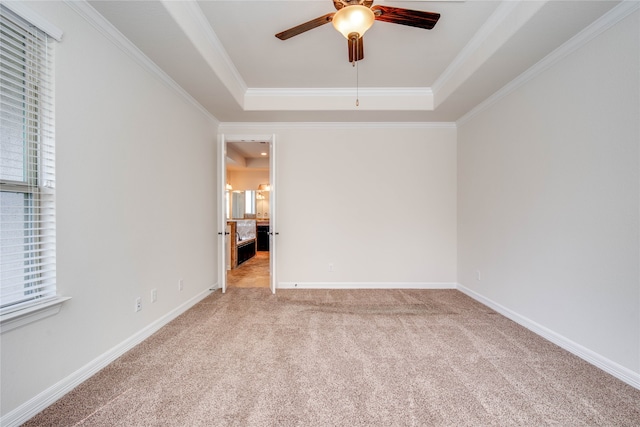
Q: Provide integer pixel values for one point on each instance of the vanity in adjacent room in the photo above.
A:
(243, 240)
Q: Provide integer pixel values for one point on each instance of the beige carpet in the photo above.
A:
(346, 358)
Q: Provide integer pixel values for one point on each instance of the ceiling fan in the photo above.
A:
(354, 17)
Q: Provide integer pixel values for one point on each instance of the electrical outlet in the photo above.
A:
(478, 275)
(180, 284)
(331, 267)
(138, 304)
(154, 295)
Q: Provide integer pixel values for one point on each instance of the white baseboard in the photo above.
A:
(624, 374)
(366, 285)
(44, 399)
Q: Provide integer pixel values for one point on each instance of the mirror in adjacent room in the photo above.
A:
(242, 204)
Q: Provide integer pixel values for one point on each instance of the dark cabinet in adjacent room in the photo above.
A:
(246, 251)
(263, 237)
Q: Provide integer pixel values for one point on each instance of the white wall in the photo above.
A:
(135, 178)
(378, 202)
(548, 198)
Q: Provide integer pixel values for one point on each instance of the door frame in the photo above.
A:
(222, 223)
(272, 214)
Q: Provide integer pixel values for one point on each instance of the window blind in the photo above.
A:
(27, 164)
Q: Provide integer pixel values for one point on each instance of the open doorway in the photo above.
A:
(248, 218)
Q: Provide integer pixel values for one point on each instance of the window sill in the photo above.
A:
(31, 314)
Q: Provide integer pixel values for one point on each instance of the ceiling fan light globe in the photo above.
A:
(353, 19)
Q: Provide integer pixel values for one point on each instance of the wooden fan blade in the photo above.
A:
(359, 49)
(412, 18)
(310, 25)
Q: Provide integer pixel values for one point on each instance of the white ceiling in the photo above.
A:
(225, 55)
(252, 149)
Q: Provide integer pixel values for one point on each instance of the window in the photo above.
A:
(27, 181)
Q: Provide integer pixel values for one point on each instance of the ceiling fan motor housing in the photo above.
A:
(339, 4)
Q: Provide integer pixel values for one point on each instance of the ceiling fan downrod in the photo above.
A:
(354, 47)
(354, 55)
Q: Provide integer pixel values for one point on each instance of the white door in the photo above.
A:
(222, 214)
(272, 214)
(222, 233)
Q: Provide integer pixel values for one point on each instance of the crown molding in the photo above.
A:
(111, 33)
(196, 27)
(225, 127)
(496, 19)
(606, 21)
(341, 91)
(503, 23)
(338, 99)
